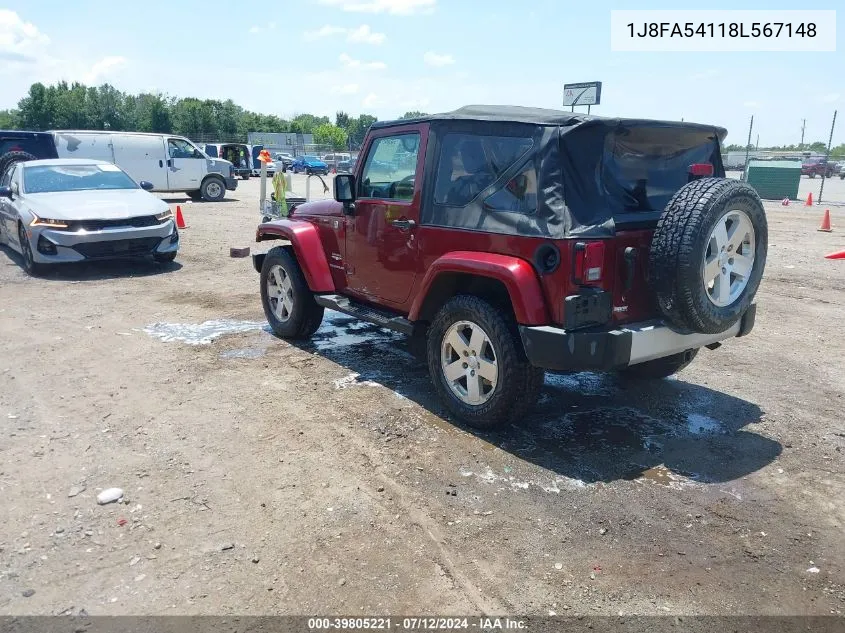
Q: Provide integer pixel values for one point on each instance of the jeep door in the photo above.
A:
(381, 241)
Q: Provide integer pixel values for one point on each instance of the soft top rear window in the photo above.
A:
(643, 166)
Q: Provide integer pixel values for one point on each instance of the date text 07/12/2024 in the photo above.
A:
(418, 623)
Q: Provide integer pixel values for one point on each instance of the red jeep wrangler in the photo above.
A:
(519, 240)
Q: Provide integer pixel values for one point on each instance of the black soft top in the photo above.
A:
(580, 176)
(542, 116)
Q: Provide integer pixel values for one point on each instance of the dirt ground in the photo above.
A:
(262, 477)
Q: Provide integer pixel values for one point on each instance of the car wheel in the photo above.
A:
(288, 302)
(659, 367)
(245, 177)
(477, 363)
(164, 258)
(213, 189)
(812, 175)
(29, 263)
(708, 253)
(10, 158)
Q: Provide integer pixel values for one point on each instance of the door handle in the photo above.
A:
(169, 162)
(404, 224)
(160, 164)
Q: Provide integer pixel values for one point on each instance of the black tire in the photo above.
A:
(29, 264)
(680, 243)
(164, 258)
(659, 367)
(245, 177)
(213, 189)
(194, 195)
(812, 175)
(518, 383)
(305, 316)
(10, 158)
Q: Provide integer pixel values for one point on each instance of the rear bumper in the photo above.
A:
(557, 349)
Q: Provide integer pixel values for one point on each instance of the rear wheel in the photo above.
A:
(660, 367)
(288, 302)
(477, 364)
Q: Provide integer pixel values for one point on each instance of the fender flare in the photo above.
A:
(517, 275)
(305, 239)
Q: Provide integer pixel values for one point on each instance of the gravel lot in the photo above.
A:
(268, 478)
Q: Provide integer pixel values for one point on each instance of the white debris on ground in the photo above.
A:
(201, 333)
(509, 481)
(352, 381)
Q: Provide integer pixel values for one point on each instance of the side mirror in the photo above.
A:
(6, 192)
(344, 189)
(146, 186)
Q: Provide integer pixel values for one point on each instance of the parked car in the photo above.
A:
(309, 165)
(520, 240)
(284, 159)
(68, 210)
(239, 154)
(170, 163)
(18, 146)
(813, 167)
(347, 166)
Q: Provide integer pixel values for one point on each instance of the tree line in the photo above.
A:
(66, 106)
(819, 147)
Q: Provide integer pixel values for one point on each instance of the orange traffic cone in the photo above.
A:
(809, 202)
(180, 221)
(825, 226)
(839, 255)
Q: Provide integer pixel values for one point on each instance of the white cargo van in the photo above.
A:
(170, 163)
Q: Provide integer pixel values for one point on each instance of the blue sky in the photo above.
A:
(385, 57)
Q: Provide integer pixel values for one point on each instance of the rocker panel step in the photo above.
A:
(365, 313)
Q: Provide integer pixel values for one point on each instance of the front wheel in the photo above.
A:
(288, 302)
(29, 263)
(213, 190)
(660, 367)
(164, 258)
(477, 364)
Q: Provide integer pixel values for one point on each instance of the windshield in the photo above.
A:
(53, 178)
(311, 158)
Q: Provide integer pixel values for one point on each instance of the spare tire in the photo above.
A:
(10, 158)
(708, 253)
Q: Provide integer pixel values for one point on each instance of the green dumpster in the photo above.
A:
(774, 179)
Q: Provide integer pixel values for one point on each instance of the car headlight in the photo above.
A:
(164, 215)
(55, 224)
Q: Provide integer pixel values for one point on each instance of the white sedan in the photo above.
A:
(68, 210)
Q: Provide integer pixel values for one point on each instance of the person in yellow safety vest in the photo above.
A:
(279, 186)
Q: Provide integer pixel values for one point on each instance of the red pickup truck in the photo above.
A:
(813, 167)
(518, 241)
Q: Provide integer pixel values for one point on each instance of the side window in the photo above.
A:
(179, 148)
(469, 163)
(391, 168)
(519, 195)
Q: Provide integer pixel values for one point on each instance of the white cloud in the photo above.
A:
(395, 7)
(20, 42)
(751, 104)
(258, 29)
(350, 62)
(103, 68)
(832, 97)
(345, 89)
(324, 31)
(365, 35)
(361, 35)
(436, 59)
(371, 100)
(706, 74)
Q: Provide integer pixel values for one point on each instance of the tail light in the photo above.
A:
(589, 260)
(700, 170)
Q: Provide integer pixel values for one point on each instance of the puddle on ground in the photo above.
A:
(583, 383)
(354, 380)
(662, 476)
(341, 330)
(554, 484)
(201, 333)
(698, 424)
